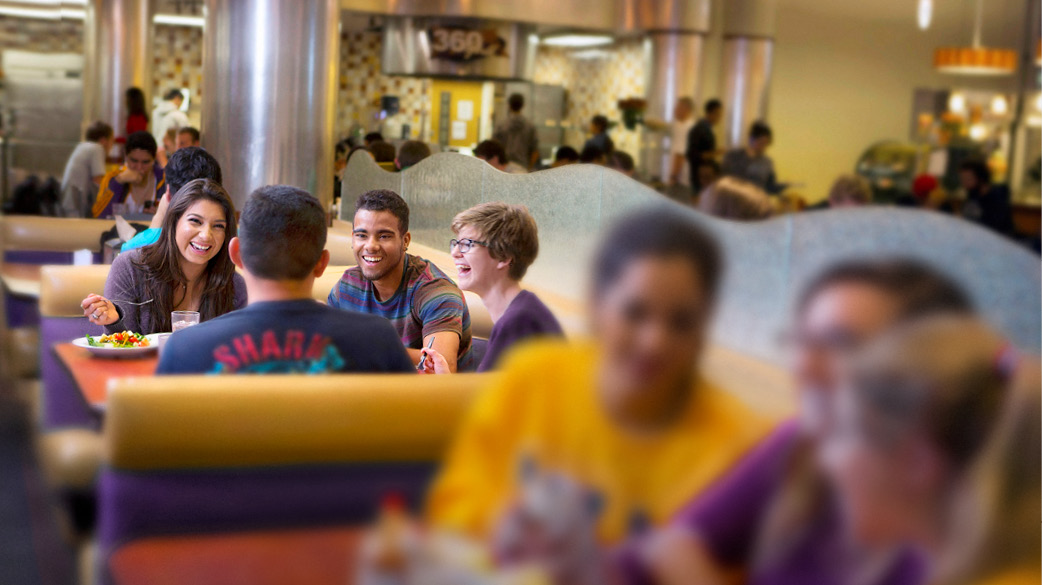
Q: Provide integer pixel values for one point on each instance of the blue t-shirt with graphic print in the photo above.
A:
(286, 337)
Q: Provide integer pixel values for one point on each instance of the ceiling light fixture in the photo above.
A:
(975, 60)
(50, 3)
(178, 20)
(39, 13)
(925, 14)
(957, 102)
(576, 40)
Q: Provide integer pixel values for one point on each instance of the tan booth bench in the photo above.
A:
(52, 234)
(202, 456)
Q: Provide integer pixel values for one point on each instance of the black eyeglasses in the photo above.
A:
(465, 244)
(836, 341)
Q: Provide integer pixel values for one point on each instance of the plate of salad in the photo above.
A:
(121, 344)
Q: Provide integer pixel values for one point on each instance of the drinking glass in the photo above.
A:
(161, 341)
(181, 319)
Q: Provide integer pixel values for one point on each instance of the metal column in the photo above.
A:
(269, 93)
(675, 40)
(118, 55)
(676, 62)
(746, 71)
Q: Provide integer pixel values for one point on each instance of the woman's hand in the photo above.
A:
(434, 362)
(99, 310)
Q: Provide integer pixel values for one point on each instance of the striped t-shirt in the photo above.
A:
(426, 302)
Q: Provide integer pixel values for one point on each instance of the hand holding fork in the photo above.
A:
(101, 311)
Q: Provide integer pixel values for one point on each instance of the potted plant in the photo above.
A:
(632, 112)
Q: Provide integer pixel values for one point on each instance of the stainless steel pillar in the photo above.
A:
(269, 93)
(746, 71)
(118, 55)
(675, 40)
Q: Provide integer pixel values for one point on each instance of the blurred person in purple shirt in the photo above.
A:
(773, 517)
(936, 442)
(494, 246)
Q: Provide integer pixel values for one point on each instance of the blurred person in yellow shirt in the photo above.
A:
(625, 415)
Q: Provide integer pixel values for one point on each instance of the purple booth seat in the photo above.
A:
(137, 505)
(63, 404)
(204, 455)
(42, 257)
(22, 311)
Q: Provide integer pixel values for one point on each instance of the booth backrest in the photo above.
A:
(49, 240)
(179, 422)
(767, 262)
(63, 287)
(339, 243)
(197, 455)
(326, 282)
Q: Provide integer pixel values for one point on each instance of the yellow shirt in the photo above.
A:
(544, 407)
(1021, 577)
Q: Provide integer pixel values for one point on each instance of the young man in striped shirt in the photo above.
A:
(422, 303)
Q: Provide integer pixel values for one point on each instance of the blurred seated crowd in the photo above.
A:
(696, 164)
(913, 456)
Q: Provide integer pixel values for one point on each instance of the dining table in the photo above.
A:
(92, 374)
(317, 556)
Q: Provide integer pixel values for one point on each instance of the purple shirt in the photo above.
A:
(526, 317)
(729, 515)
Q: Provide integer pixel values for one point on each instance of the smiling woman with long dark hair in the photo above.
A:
(188, 269)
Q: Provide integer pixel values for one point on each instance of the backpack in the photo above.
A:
(24, 198)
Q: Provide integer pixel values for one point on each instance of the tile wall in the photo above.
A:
(595, 80)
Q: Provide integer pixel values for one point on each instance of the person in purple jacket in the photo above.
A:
(774, 518)
(494, 246)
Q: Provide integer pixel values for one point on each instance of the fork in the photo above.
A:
(129, 302)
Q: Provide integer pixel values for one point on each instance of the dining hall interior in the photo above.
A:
(570, 292)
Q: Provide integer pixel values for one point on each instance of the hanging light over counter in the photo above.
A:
(975, 59)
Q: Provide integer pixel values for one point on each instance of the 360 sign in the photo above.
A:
(460, 44)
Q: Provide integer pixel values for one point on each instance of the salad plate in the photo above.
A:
(124, 344)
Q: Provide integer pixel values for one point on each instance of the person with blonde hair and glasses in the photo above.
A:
(731, 198)
(495, 244)
(938, 444)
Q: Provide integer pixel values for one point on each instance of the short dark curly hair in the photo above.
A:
(385, 200)
(141, 141)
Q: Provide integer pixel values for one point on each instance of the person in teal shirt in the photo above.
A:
(184, 165)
